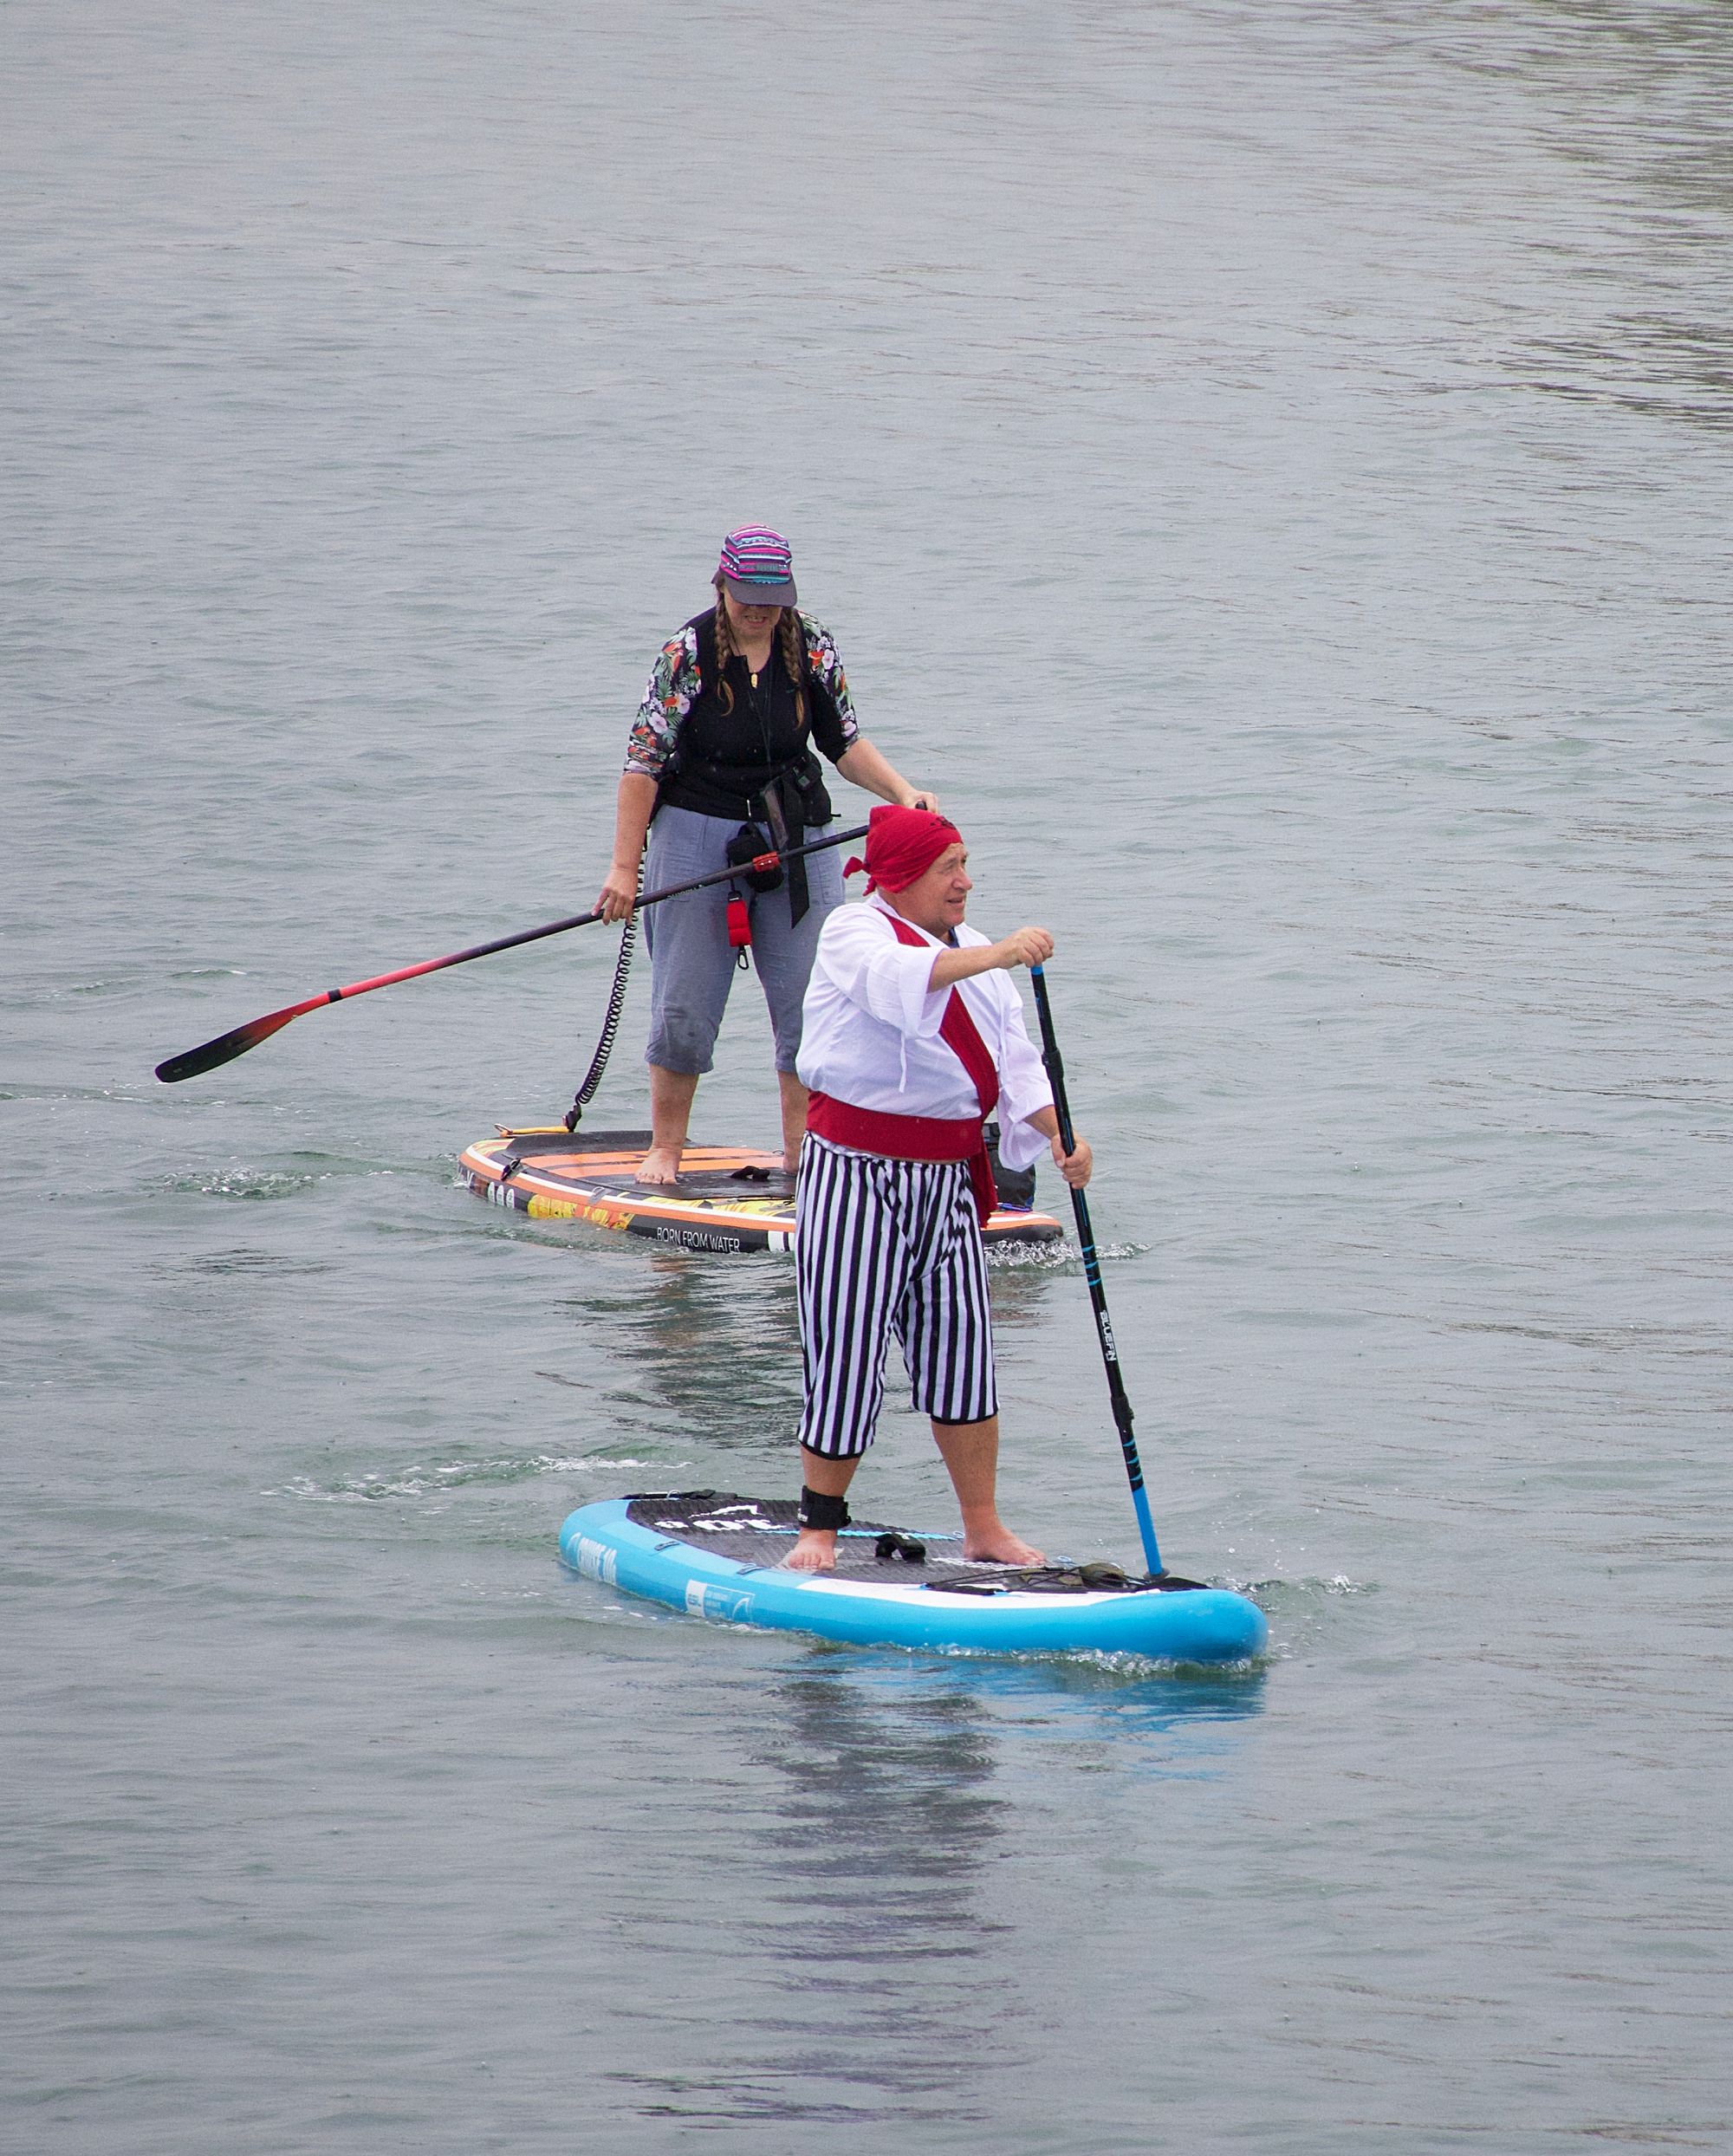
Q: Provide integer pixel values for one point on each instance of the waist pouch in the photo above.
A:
(747, 844)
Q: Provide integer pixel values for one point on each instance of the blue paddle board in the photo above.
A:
(716, 1555)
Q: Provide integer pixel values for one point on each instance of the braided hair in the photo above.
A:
(724, 646)
(793, 638)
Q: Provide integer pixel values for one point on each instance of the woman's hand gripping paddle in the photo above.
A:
(1091, 1273)
(195, 1061)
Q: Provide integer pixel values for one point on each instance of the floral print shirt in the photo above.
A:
(674, 684)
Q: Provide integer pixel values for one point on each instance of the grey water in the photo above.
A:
(1267, 465)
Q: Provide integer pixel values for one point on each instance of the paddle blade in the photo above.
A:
(225, 1048)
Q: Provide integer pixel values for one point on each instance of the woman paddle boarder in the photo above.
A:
(913, 1036)
(720, 756)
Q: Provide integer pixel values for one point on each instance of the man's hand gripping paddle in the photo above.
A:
(195, 1061)
(1091, 1273)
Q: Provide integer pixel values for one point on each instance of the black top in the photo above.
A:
(725, 758)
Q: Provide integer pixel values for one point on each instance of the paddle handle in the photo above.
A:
(1091, 1273)
(195, 1061)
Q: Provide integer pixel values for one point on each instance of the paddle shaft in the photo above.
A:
(195, 1061)
(1091, 1273)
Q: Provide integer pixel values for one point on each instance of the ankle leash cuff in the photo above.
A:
(821, 1511)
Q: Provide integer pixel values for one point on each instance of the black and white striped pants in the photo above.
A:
(884, 1247)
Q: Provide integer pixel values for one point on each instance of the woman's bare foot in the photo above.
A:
(999, 1545)
(660, 1165)
(814, 1550)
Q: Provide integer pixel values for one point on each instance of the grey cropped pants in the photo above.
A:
(693, 965)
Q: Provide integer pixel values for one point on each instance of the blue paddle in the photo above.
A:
(1091, 1273)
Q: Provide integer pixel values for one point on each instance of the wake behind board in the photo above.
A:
(729, 1198)
(719, 1556)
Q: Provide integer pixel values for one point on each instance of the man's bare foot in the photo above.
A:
(1000, 1547)
(814, 1550)
(660, 1165)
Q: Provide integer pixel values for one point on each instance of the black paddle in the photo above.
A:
(227, 1046)
(1091, 1273)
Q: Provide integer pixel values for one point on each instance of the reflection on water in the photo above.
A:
(855, 1910)
(888, 1817)
(1099, 1707)
(709, 1349)
(896, 1789)
(701, 1348)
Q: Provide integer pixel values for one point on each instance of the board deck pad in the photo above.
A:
(760, 1532)
(730, 1199)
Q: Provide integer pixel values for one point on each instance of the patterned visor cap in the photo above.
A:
(757, 568)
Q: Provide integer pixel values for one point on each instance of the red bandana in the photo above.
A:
(902, 844)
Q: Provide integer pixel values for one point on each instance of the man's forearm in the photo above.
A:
(963, 964)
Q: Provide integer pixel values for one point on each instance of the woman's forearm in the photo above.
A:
(866, 767)
(635, 806)
(632, 816)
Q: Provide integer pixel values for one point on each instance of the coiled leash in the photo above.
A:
(610, 1025)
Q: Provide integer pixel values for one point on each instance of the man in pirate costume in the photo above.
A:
(913, 1036)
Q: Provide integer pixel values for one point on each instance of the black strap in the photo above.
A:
(824, 1512)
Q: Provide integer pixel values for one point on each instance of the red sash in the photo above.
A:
(924, 1137)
